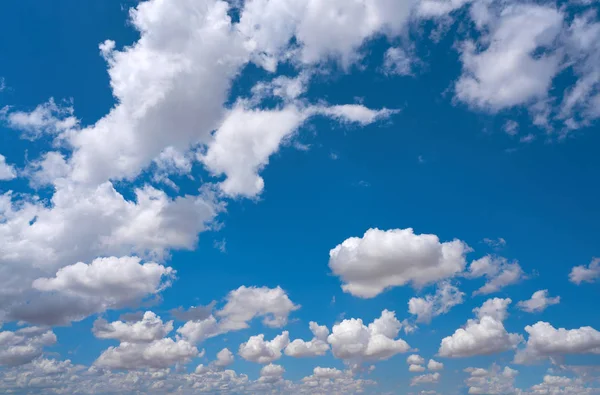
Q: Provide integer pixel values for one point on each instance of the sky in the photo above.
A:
(299, 197)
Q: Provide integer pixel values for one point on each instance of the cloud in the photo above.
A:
(545, 341)
(271, 373)
(589, 274)
(505, 72)
(430, 378)
(446, 296)
(315, 347)
(498, 272)
(493, 381)
(199, 330)
(495, 308)
(194, 313)
(7, 172)
(435, 365)
(485, 335)
(353, 341)
(256, 349)
(148, 329)
(416, 368)
(46, 118)
(24, 345)
(327, 373)
(384, 259)
(398, 61)
(224, 358)
(415, 359)
(539, 302)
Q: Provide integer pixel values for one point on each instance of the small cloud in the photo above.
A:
(496, 244)
(333, 156)
(363, 183)
(220, 245)
(301, 147)
(527, 139)
(421, 159)
(511, 128)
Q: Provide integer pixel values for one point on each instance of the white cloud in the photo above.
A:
(493, 381)
(224, 358)
(498, 272)
(353, 341)
(270, 373)
(48, 117)
(588, 274)
(506, 73)
(435, 365)
(158, 354)
(7, 172)
(353, 113)
(24, 345)
(545, 341)
(415, 359)
(446, 296)
(327, 373)
(196, 331)
(148, 329)
(495, 308)
(315, 347)
(384, 259)
(483, 336)
(539, 302)
(256, 349)
(398, 61)
(47, 169)
(416, 368)
(430, 378)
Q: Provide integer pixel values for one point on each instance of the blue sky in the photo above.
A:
(275, 196)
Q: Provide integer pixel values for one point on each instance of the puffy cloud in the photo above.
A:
(7, 172)
(495, 308)
(158, 354)
(560, 385)
(430, 378)
(198, 331)
(483, 336)
(545, 341)
(506, 73)
(148, 329)
(493, 381)
(588, 274)
(353, 341)
(446, 296)
(538, 302)
(398, 60)
(270, 373)
(315, 347)
(498, 272)
(246, 303)
(224, 358)
(435, 365)
(327, 373)
(384, 259)
(415, 359)
(47, 118)
(24, 345)
(256, 349)
(416, 368)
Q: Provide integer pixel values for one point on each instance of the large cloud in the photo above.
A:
(382, 259)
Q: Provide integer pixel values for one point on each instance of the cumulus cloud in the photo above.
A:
(588, 274)
(539, 302)
(416, 368)
(446, 296)
(383, 259)
(482, 336)
(315, 347)
(46, 118)
(148, 329)
(546, 341)
(430, 378)
(24, 345)
(498, 272)
(224, 358)
(351, 340)
(492, 381)
(259, 350)
(199, 330)
(7, 172)
(435, 365)
(505, 73)
(415, 359)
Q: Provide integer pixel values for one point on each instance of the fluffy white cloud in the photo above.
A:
(158, 354)
(315, 347)
(246, 303)
(498, 272)
(506, 73)
(327, 373)
(415, 359)
(398, 60)
(148, 329)
(495, 308)
(493, 381)
(353, 341)
(7, 172)
(483, 336)
(588, 274)
(546, 341)
(538, 302)
(430, 378)
(24, 345)
(446, 296)
(416, 368)
(48, 118)
(435, 365)
(384, 259)
(197, 331)
(271, 373)
(259, 350)
(224, 358)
